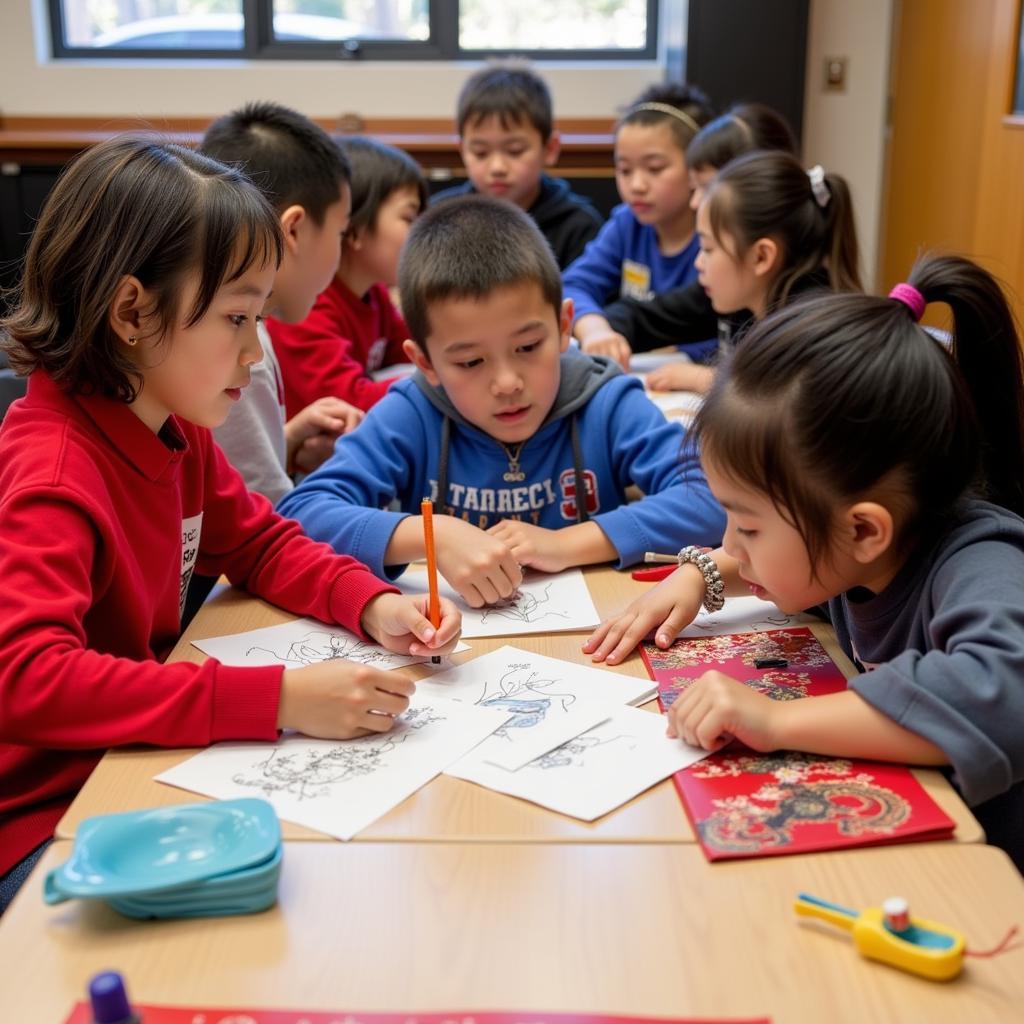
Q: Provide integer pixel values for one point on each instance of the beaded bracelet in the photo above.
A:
(714, 586)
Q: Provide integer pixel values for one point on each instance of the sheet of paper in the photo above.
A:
(545, 603)
(676, 403)
(341, 786)
(594, 773)
(644, 362)
(744, 615)
(304, 642)
(550, 700)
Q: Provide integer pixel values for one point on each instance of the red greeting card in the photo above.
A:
(745, 804)
(192, 1015)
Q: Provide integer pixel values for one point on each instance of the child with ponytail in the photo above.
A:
(867, 469)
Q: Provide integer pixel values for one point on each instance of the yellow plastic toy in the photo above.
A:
(888, 933)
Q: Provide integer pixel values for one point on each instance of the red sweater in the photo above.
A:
(342, 341)
(101, 525)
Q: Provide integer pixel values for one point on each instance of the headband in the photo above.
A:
(666, 108)
(819, 186)
(911, 298)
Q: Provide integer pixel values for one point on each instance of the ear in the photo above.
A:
(292, 222)
(127, 309)
(765, 256)
(419, 358)
(869, 528)
(552, 148)
(565, 324)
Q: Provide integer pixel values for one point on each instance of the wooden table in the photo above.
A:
(649, 929)
(447, 810)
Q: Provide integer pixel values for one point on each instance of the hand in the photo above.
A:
(313, 452)
(609, 344)
(715, 709)
(532, 545)
(339, 700)
(329, 416)
(480, 567)
(668, 607)
(680, 377)
(399, 622)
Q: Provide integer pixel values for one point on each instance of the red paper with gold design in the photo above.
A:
(745, 804)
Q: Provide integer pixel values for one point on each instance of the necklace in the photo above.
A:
(514, 473)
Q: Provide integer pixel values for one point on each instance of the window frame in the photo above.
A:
(259, 44)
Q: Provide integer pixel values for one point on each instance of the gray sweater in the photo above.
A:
(947, 637)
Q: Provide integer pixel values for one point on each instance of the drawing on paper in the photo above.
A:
(575, 753)
(524, 606)
(526, 694)
(314, 774)
(321, 645)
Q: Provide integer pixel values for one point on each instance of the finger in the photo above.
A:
(635, 632)
(376, 721)
(676, 621)
(605, 637)
(389, 703)
(513, 572)
(396, 684)
(594, 640)
(488, 591)
(413, 620)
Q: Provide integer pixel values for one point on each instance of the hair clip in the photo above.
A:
(818, 185)
(911, 298)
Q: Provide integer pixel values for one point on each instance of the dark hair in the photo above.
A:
(509, 90)
(292, 161)
(377, 170)
(133, 205)
(838, 394)
(767, 194)
(741, 128)
(466, 247)
(691, 101)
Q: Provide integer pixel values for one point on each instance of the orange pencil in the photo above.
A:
(434, 607)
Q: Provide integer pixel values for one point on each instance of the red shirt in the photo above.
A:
(342, 341)
(101, 525)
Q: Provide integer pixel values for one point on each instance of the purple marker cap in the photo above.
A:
(109, 999)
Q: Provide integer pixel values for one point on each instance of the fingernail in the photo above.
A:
(662, 639)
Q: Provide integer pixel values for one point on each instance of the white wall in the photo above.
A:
(846, 131)
(31, 84)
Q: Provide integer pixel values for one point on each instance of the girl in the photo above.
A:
(865, 467)
(768, 231)
(137, 314)
(684, 316)
(354, 328)
(648, 245)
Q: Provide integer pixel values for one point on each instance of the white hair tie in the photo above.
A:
(819, 186)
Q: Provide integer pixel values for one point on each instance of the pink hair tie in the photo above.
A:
(911, 298)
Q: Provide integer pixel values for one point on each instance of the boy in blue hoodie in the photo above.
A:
(525, 445)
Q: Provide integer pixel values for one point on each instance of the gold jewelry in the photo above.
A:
(132, 339)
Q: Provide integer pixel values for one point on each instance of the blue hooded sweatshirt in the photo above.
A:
(414, 436)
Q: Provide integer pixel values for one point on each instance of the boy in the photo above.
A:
(527, 447)
(297, 166)
(507, 139)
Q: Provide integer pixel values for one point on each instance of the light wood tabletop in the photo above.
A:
(608, 928)
(448, 810)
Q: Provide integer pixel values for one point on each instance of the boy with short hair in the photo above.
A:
(507, 139)
(305, 176)
(525, 445)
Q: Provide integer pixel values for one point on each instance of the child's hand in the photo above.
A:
(338, 700)
(480, 567)
(668, 608)
(610, 344)
(329, 416)
(313, 452)
(681, 377)
(399, 622)
(532, 545)
(716, 708)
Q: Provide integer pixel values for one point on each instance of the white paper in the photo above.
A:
(744, 615)
(341, 786)
(594, 773)
(644, 362)
(545, 603)
(304, 642)
(550, 700)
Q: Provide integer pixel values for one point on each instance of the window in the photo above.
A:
(355, 29)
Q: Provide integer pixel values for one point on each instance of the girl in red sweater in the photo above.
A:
(354, 328)
(136, 321)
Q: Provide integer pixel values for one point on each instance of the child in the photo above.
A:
(526, 448)
(769, 231)
(648, 244)
(684, 316)
(142, 287)
(864, 466)
(354, 327)
(303, 174)
(507, 138)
